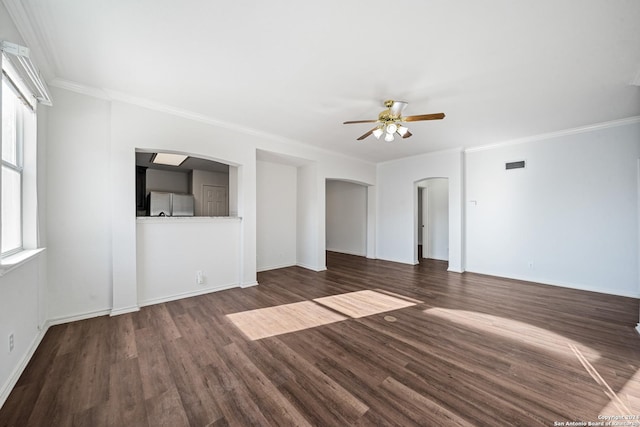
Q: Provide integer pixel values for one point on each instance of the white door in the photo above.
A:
(425, 222)
(214, 200)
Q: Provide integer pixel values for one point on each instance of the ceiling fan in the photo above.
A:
(390, 121)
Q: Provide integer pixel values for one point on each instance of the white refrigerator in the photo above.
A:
(170, 204)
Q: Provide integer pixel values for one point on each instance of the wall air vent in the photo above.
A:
(515, 165)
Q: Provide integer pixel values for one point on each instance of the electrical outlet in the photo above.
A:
(199, 277)
(11, 342)
(530, 265)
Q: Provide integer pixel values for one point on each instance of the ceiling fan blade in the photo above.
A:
(359, 121)
(407, 135)
(397, 108)
(367, 134)
(436, 116)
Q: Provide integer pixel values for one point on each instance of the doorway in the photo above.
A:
(432, 231)
(346, 217)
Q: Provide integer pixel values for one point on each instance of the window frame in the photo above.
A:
(20, 247)
(9, 76)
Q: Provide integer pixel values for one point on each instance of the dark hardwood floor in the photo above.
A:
(365, 343)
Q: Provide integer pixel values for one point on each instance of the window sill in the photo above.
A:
(13, 261)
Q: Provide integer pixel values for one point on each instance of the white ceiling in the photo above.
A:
(499, 70)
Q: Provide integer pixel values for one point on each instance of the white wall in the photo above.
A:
(171, 250)
(90, 219)
(20, 304)
(397, 217)
(148, 130)
(314, 168)
(168, 181)
(79, 206)
(94, 270)
(346, 217)
(307, 219)
(319, 166)
(572, 212)
(276, 211)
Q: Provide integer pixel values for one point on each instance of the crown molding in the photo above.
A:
(185, 114)
(34, 36)
(445, 151)
(80, 88)
(558, 134)
(112, 95)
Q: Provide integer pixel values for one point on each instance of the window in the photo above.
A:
(21, 89)
(13, 112)
(18, 178)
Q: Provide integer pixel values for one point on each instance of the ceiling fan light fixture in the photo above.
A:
(391, 129)
(389, 122)
(402, 131)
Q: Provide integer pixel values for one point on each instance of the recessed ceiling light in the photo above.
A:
(169, 159)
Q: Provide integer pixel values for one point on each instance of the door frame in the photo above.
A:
(416, 186)
(425, 222)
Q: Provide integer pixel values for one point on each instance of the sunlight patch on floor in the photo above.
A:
(628, 398)
(286, 318)
(511, 329)
(617, 405)
(364, 303)
(282, 319)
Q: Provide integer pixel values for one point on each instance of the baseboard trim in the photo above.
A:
(189, 294)
(82, 316)
(11, 382)
(124, 310)
(316, 269)
(559, 284)
(399, 261)
(249, 284)
(274, 267)
(638, 328)
(341, 251)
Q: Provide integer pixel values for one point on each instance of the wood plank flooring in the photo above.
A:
(374, 343)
